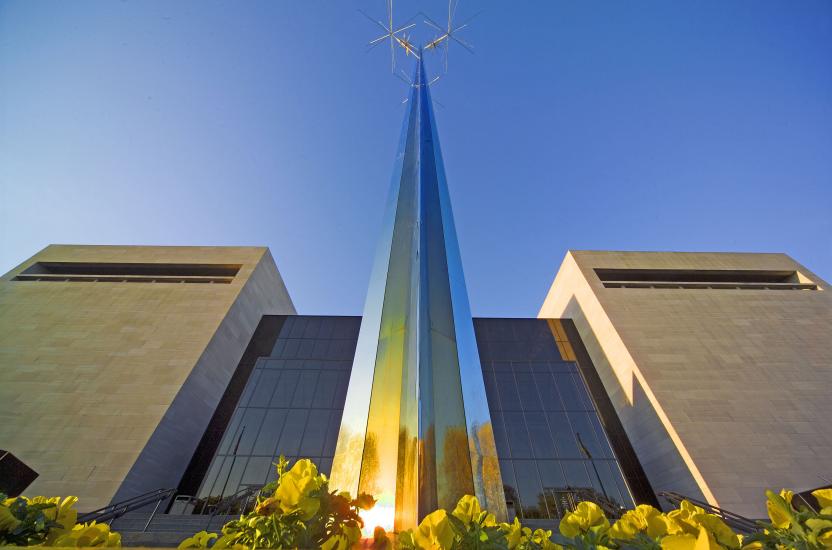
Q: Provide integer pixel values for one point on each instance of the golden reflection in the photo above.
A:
(456, 470)
(562, 341)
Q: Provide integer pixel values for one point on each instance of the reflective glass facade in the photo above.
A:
(291, 404)
(540, 391)
(545, 423)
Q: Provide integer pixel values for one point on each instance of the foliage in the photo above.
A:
(802, 529)
(644, 528)
(46, 521)
(469, 527)
(295, 511)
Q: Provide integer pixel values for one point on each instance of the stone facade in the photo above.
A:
(723, 392)
(107, 387)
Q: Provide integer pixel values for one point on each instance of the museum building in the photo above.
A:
(126, 369)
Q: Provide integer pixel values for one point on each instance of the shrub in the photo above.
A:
(792, 528)
(295, 511)
(46, 521)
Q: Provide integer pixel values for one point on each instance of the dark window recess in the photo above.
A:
(707, 279)
(288, 400)
(261, 344)
(558, 437)
(129, 272)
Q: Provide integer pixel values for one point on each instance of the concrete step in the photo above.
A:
(179, 523)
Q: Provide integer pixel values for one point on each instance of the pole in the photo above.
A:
(586, 453)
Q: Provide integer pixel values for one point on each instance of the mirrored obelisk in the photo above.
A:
(416, 431)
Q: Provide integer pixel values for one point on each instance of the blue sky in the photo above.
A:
(638, 125)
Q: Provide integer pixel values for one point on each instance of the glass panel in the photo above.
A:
(327, 386)
(290, 351)
(607, 470)
(232, 482)
(518, 438)
(582, 393)
(221, 477)
(265, 388)
(305, 390)
(491, 390)
(313, 438)
(305, 349)
(313, 324)
(500, 437)
(285, 389)
(250, 387)
(548, 391)
(531, 492)
(325, 466)
(551, 474)
(568, 391)
(510, 488)
(605, 451)
(343, 384)
(584, 432)
(257, 470)
(539, 432)
(321, 349)
(565, 442)
(528, 391)
(509, 400)
(332, 433)
(292, 432)
(576, 474)
(249, 426)
(298, 327)
(231, 432)
(211, 478)
(270, 432)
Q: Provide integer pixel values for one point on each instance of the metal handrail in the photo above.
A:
(115, 510)
(242, 498)
(741, 523)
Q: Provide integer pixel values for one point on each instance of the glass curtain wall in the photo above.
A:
(291, 405)
(553, 449)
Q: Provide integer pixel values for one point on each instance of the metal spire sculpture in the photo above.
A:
(416, 430)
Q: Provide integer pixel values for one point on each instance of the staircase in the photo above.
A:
(164, 529)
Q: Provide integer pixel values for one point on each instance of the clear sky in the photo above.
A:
(631, 125)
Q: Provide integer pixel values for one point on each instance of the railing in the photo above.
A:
(738, 522)
(112, 511)
(238, 503)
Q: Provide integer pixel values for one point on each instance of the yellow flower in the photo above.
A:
(756, 545)
(787, 495)
(824, 497)
(87, 534)
(468, 510)
(587, 517)
(63, 511)
(817, 526)
(779, 511)
(513, 532)
(7, 520)
(702, 541)
(644, 519)
(719, 530)
(295, 488)
(435, 532)
(199, 540)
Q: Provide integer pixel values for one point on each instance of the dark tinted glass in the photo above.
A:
(291, 404)
(539, 405)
